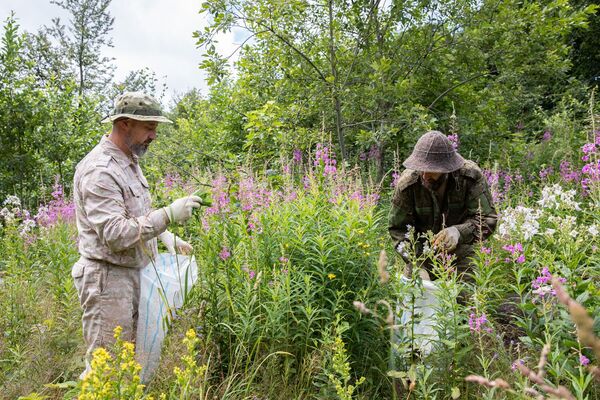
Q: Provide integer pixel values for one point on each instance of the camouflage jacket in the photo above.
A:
(466, 204)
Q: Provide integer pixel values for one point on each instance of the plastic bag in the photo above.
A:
(425, 307)
(423, 334)
(163, 286)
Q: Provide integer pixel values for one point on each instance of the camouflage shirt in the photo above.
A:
(466, 204)
(113, 208)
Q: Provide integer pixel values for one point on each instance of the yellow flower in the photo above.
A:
(118, 331)
(190, 334)
(331, 276)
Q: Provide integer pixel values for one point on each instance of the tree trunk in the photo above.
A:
(334, 87)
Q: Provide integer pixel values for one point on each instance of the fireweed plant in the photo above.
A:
(283, 256)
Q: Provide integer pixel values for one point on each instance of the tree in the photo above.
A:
(44, 128)
(83, 41)
(377, 76)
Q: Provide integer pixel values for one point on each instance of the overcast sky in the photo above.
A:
(146, 33)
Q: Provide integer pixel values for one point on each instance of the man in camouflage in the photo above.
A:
(117, 226)
(443, 193)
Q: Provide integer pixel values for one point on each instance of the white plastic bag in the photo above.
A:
(163, 281)
(426, 303)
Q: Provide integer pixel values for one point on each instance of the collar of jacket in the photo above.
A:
(117, 154)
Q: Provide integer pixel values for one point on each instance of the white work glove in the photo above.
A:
(181, 209)
(172, 242)
(447, 239)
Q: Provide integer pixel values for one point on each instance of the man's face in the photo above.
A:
(139, 135)
(432, 180)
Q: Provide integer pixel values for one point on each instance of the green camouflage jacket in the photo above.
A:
(467, 205)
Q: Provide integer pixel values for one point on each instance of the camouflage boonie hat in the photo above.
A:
(138, 106)
(434, 153)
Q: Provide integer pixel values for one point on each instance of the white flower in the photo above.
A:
(7, 215)
(26, 227)
(426, 248)
(593, 230)
(550, 231)
(553, 197)
(12, 201)
(400, 248)
(409, 231)
(574, 233)
(520, 221)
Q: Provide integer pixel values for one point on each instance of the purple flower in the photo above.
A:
(58, 209)
(477, 324)
(225, 253)
(374, 152)
(521, 259)
(542, 284)
(251, 273)
(567, 174)
(588, 148)
(171, 180)
(583, 360)
(520, 361)
(454, 140)
(297, 156)
(283, 260)
(547, 136)
(324, 158)
(514, 250)
(395, 178)
(544, 173)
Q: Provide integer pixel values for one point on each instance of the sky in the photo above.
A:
(146, 33)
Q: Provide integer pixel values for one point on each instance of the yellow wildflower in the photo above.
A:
(331, 276)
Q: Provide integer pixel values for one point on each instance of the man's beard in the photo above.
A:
(434, 185)
(139, 149)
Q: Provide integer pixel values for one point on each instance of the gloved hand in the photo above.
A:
(447, 238)
(172, 242)
(181, 209)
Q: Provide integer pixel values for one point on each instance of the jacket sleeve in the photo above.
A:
(401, 216)
(104, 205)
(480, 217)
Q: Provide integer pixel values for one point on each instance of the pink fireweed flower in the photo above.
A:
(58, 209)
(544, 173)
(297, 156)
(374, 152)
(478, 324)
(251, 273)
(172, 180)
(325, 158)
(395, 178)
(520, 361)
(583, 360)
(306, 182)
(547, 136)
(567, 174)
(225, 253)
(517, 248)
(454, 140)
(542, 285)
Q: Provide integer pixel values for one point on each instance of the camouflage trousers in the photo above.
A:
(109, 296)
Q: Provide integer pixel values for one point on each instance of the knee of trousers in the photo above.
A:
(109, 297)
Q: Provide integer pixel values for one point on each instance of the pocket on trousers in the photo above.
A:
(78, 270)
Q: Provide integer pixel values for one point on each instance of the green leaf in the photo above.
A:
(397, 374)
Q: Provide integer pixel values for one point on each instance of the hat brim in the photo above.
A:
(443, 166)
(153, 118)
